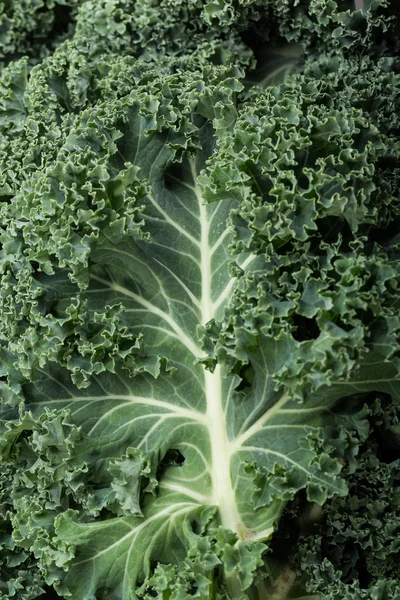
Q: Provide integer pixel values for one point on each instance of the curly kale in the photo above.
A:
(355, 552)
(199, 299)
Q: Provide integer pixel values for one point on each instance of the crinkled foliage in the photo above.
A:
(199, 327)
(356, 554)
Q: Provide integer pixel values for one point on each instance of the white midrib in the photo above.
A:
(223, 494)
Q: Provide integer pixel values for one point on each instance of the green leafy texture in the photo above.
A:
(198, 291)
(356, 551)
(309, 181)
(33, 27)
(39, 467)
(108, 278)
(115, 32)
(337, 26)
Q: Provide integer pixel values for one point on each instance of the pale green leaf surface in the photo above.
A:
(135, 273)
(234, 443)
